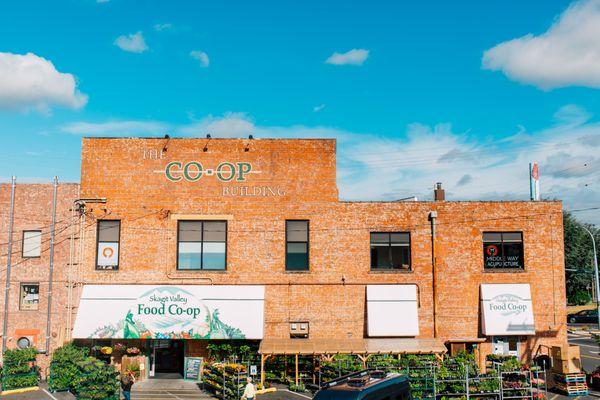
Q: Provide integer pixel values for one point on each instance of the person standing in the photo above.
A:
(126, 383)
(249, 391)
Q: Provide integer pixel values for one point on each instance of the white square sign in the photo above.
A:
(108, 254)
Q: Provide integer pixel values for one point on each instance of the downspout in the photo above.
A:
(51, 273)
(432, 218)
(13, 184)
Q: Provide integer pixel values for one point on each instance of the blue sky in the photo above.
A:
(418, 92)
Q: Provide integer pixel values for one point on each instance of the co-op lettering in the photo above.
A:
(192, 171)
(172, 309)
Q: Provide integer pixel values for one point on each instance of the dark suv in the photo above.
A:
(583, 316)
(366, 385)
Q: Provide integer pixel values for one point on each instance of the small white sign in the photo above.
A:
(253, 370)
(108, 254)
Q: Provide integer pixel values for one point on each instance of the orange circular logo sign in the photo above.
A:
(107, 252)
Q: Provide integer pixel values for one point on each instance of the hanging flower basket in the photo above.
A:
(106, 350)
(133, 351)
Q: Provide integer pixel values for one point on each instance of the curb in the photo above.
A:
(23, 390)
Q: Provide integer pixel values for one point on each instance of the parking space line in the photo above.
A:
(49, 394)
(298, 394)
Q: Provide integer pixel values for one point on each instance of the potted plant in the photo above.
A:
(133, 351)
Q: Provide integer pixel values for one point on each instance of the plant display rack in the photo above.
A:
(571, 384)
(19, 372)
(224, 380)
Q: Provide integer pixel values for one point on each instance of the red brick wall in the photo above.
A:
(128, 173)
(33, 211)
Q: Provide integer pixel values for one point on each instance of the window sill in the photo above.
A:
(391, 271)
(297, 272)
(196, 271)
(505, 270)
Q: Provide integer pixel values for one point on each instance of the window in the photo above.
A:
(201, 245)
(390, 251)
(32, 244)
(29, 296)
(108, 237)
(23, 342)
(296, 245)
(506, 345)
(503, 250)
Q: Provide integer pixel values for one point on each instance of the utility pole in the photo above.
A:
(13, 184)
(595, 272)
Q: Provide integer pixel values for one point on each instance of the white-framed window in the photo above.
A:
(32, 244)
(29, 296)
(506, 345)
(108, 238)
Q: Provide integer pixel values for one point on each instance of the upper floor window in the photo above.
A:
(32, 244)
(29, 296)
(108, 238)
(296, 245)
(201, 245)
(390, 251)
(503, 250)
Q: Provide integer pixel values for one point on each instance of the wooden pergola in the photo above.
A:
(362, 348)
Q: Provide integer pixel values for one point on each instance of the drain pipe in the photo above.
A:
(432, 218)
(13, 184)
(51, 273)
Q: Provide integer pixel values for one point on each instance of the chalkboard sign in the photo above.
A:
(192, 368)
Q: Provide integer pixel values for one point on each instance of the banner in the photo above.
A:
(392, 310)
(170, 312)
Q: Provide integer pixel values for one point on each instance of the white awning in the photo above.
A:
(392, 310)
(170, 312)
(507, 309)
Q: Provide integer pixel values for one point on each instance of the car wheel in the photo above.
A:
(572, 320)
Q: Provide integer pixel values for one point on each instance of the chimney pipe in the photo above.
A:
(438, 193)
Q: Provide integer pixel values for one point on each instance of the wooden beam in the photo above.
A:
(296, 370)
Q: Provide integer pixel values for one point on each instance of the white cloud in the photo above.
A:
(32, 82)
(201, 56)
(352, 57)
(318, 108)
(133, 43)
(162, 27)
(116, 128)
(568, 54)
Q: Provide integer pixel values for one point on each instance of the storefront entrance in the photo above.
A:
(168, 357)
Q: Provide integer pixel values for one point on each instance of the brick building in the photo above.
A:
(179, 241)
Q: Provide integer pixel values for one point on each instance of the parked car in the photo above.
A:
(583, 317)
(366, 385)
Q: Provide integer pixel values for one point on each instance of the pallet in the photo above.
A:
(570, 378)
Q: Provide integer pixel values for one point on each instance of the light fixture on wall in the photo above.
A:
(247, 148)
(208, 137)
(165, 147)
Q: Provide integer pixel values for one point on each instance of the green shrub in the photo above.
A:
(18, 369)
(581, 298)
(96, 380)
(63, 367)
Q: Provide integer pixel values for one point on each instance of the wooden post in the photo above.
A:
(262, 371)
(296, 370)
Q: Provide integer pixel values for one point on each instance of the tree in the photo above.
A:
(579, 259)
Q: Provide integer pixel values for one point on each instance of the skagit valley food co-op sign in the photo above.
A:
(225, 171)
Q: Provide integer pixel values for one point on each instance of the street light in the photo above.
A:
(595, 272)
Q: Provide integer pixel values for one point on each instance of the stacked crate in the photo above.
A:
(566, 366)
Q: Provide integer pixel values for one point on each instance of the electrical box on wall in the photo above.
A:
(299, 329)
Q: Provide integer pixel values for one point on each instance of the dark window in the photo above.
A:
(29, 296)
(32, 244)
(503, 250)
(390, 251)
(296, 245)
(201, 245)
(108, 246)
